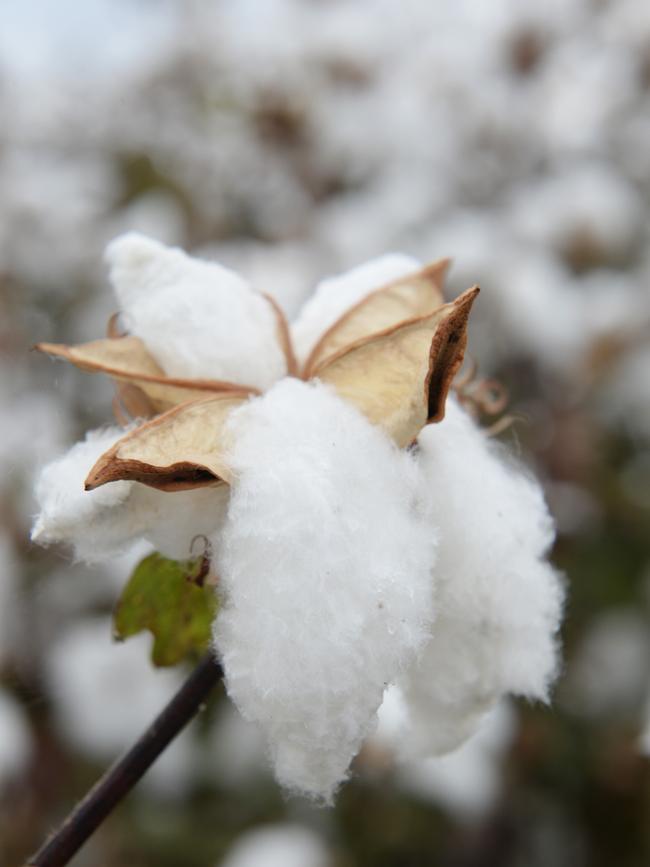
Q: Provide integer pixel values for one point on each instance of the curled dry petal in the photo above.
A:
(127, 359)
(400, 378)
(405, 298)
(181, 449)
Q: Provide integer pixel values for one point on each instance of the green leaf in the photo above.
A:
(165, 597)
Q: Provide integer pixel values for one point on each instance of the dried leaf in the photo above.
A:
(181, 449)
(406, 298)
(161, 597)
(399, 379)
(127, 359)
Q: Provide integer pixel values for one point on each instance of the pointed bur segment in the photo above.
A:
(400, 379)
(127, 359)
(180, 450)
(284, 336)
(406, 298)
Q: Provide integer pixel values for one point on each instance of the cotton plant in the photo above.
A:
(360, 528)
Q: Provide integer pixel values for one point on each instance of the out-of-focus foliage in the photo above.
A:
(290, 139)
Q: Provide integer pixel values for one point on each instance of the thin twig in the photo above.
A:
(120, 778)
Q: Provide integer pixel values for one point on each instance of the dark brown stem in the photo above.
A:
(120, 778)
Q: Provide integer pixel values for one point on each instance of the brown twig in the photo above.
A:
(120, 778)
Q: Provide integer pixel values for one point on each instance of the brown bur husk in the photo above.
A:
(407, 298)
(400, 378)
(127, 360)
(181, 449)
(393, 355)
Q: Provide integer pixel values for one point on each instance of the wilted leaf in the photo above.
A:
(127, 359)
(183, 448)
(400, 378)
(407, 298)
(161, 597)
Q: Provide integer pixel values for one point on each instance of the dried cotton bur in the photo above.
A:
(346, 560)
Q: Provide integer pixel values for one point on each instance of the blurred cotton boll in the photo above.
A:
(9, 614)
(237, 752)
(609, 672)
(15, 739)
(278, 846)
(106, 693)
(625, 396)
(466, 782)
(586, 212)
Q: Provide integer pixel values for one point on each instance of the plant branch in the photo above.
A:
(120, 778)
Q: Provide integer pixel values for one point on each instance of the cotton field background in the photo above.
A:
(291, 140)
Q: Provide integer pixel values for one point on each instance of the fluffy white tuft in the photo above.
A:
(325, 563)
(498, 601)
(197, 318)
(94, 522)
(335, 295)
(102, 523)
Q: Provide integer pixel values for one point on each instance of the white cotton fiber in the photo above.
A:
(102, 523)
(498, 601)
(198, 319)
(325, 563)
(174, 519)
(335, 295)
(95, 522)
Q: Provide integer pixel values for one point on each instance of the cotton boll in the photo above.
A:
(278, 846)
(198, 319)
(335, 295)
(15, 739)
(498, 601)
(95, 522)
(325, 563)
(106, 693)
(104, 522)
